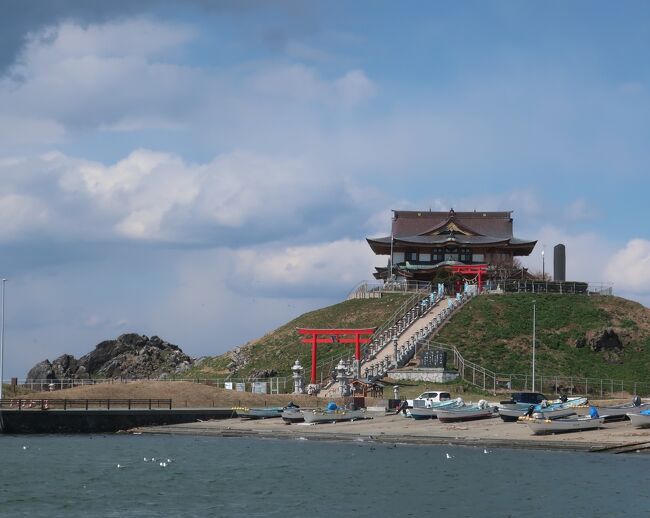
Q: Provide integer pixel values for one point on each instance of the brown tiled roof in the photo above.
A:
(412, 223)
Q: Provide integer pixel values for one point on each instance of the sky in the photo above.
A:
(205, 171)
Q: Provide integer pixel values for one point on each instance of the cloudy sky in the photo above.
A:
(207, 170)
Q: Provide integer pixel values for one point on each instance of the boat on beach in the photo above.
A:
(431, 412)
(512, 415)
(259, 413)
(332, 416)
(482, 410)
(566, 424)
(616, 412)
(292, 414)
(641, 419)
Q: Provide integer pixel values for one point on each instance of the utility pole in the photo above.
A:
(534, 345)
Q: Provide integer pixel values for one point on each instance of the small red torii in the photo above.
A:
(472, 269)
(331, 336)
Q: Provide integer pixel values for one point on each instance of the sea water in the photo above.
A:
(122, 476)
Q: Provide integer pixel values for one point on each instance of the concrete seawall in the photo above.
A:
(101, 420)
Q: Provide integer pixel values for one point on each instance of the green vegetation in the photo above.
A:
(280, 348)
(496, 332)
(493, 331)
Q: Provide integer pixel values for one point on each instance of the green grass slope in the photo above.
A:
(280, 348)
(496, 331)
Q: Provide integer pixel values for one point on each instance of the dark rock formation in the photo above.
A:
(130, 356)
(609, 342)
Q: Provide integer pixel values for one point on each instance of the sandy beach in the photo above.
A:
(618, 437)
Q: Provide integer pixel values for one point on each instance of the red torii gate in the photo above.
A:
(472, 269)
(332, 336)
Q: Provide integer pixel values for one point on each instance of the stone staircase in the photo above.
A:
(396, 345)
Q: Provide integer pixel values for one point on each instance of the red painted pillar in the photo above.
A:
(357, 347)
(314, 358)
(480, 280)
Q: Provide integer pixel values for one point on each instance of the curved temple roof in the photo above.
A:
(439, 229)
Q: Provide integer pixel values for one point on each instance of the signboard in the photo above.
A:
(259, 387)
(436, 359)
(228, 385)
(240, 387)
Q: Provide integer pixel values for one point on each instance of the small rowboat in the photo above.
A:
(259, 413)
(332, 416)
(509, 415)
(431, 412)
(612, 413)
(292, 414)
(640, 420)
(482, 410)
(567, 424)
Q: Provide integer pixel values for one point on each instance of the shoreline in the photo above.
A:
(618, 437)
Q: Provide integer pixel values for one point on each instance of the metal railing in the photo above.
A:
(84, 404)
(491, 381)
(562, 288)
(276, 384)
(326, 366)
(370, 289)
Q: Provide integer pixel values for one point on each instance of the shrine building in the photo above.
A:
(423, 245)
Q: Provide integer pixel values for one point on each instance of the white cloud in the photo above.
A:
(586, 254)
(154, 196)
(581, 210)
(299, 82)
(323, 267)
(629, 268)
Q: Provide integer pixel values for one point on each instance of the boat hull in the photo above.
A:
(575, 424)
(292, 416)
(420, 413)
(337, 416)
(613, 413)
(259, 413)
(639, 420)
(452, 416)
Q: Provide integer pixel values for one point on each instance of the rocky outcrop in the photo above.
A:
(609, 342)
(130, 356)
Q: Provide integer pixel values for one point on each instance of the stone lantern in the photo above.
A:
(343, 376)
(298, 380)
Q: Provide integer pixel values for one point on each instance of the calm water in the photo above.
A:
(78, 476)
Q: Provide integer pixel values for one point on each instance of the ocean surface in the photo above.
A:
(78, 476)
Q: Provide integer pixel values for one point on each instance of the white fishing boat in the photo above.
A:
(259, 413)
(640, 420)
(292, 414)
(566, 424)
(614, 412)
(431, 412)
(332, 416)
(482, 410)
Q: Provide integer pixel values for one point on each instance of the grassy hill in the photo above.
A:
(496, 332)
(280, 348)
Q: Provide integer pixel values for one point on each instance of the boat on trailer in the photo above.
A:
(566, 424)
